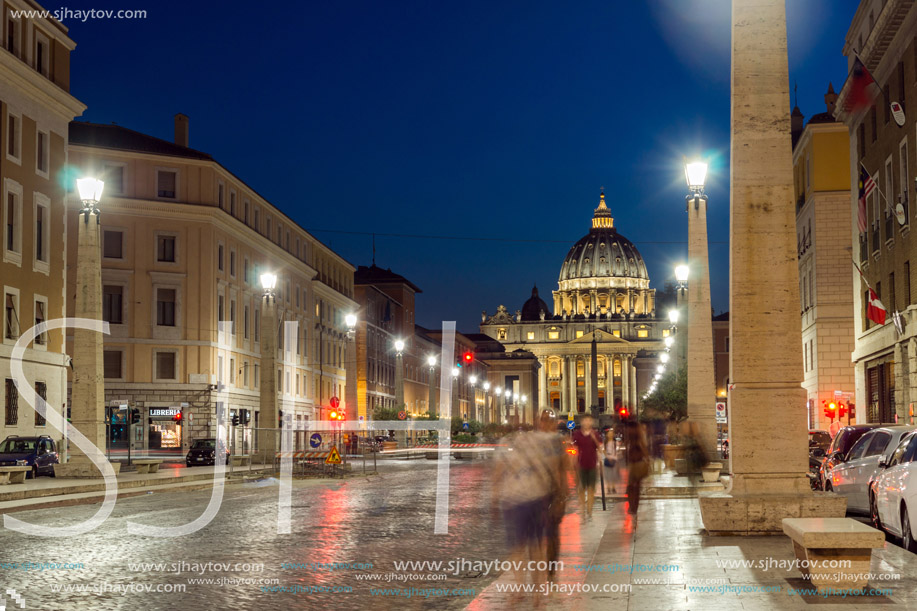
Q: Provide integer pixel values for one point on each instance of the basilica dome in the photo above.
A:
(603, 253)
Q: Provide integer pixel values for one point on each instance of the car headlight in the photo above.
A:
(22, 463)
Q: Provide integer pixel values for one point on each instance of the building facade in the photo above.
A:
(884, 356)
(604, 296)
(184, 242)
(35, 109)
(821, 172)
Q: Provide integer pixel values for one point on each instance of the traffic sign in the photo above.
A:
(334, 457)
(721, 412)
(402, 415)
(315, 440)
(571, 424)
(335, 402)
(465, 426)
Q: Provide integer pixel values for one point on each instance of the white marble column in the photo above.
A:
(542, 384)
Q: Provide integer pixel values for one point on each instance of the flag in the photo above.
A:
(861, 206)
(862, 88)
(875, 311)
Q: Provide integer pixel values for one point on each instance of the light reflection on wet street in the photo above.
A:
(373, 521)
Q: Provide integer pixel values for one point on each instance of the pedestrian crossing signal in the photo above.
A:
(334, 457)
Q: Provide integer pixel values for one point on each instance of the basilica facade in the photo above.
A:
(603, 296)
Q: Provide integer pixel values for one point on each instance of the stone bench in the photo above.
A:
(820, 540)
(147, 465)
(241, 460)
(712, 471)
(14, 475)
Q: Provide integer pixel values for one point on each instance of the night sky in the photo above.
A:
(488, 128)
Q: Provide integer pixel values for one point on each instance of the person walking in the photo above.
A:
(637, 463)
(610, 463)
(558, 490)
(587, 443)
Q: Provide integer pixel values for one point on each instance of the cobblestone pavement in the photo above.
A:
(371, 521)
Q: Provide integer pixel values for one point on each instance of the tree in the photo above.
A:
(671, 396)
(385, 413)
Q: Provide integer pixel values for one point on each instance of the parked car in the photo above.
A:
(852, 476)
(819, 439)
(204, 452)
(39, 453)
(893, 493)
(837, 452)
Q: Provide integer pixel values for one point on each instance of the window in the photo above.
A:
(232, 203)
(112, 304)
(220, 257)
(256, 377)
(232, 263)
(112, 242)
(165, 307)
(220, 196)
(245, 276)
(41, 153)
(12, 220)
(12, 35)
(245, 207)
(907, 283)
(165, 248)
(859, 449)
(879, 443)
(616, 333)
(530, 335)
(42, 54)
(579, 334)
(257, 220)
(113, 175)
(551, 334)
(12, 404)
(165, 365)
(11, 316)
(13, 136)
(232, 371)
(221, 310)
(267, 222)
(112, 364)
(643, 333)
(42, 228)
(166, 181)
(245, 374)
(232, 315)
(245, 322)
(257, 326)
(40, 306)
(41, 389)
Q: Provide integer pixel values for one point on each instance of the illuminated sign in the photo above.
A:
(165, 412)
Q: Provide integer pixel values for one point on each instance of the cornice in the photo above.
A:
(19, 75)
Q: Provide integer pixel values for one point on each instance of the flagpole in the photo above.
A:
(887, 203)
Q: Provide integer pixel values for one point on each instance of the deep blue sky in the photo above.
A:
(469, 119)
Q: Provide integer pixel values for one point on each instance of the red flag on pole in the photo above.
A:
(875, 311)
(862, 88)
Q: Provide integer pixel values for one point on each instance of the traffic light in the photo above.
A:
(135, 416)
(623, 412)
(841, 410)
(280, 419)
(336, 415)
(830, 409)
(235, 419)
(245, 416)
(467, 358)
(177, 418)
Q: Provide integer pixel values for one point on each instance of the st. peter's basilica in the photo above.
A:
(603, 294)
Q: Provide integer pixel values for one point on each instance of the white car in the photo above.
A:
(893, 493)
(851, 477)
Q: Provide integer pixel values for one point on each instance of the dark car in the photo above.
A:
(39, 453)
(819, 439)
(837, 451)
(204, 452)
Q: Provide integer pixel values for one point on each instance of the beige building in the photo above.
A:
(821, 171)
(603, 294)
(884, 33)
(184, 242)
(35, 110)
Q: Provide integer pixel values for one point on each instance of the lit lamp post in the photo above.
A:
(431, 401)
(351, 403)
(699, 356)
(455, 387)
(473, 411)
(88, 391)
(270, 416)
(399, 383)
(487, 397)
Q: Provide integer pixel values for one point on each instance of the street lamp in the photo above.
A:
(88, 394)
(673, 317)
(681, 275)
(351, 321)
(664, 358)
(699, 347)
(669, 341)
(399, 346)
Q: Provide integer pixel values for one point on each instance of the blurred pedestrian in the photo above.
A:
(637, 463)
(587, 443)
(610, 463)
(556, 459)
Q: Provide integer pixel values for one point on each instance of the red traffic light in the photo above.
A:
(336, 415)
(623, 412)
(333, 415)
(177, 417)
(468, 358)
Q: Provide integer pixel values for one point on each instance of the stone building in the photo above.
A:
(35, 109)
(821, 172)
(884, 34)
(603, 295)
(184, 242)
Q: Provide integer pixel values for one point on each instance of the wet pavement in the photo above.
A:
(344, 533)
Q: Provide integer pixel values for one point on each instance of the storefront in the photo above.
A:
(165, 428)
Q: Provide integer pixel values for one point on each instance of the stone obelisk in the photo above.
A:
(767, 430)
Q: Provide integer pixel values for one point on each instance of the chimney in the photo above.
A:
(830, 99)
(181, 129)
(797, 122)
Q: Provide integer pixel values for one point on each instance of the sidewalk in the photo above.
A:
(52, 491)
(666, 562)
